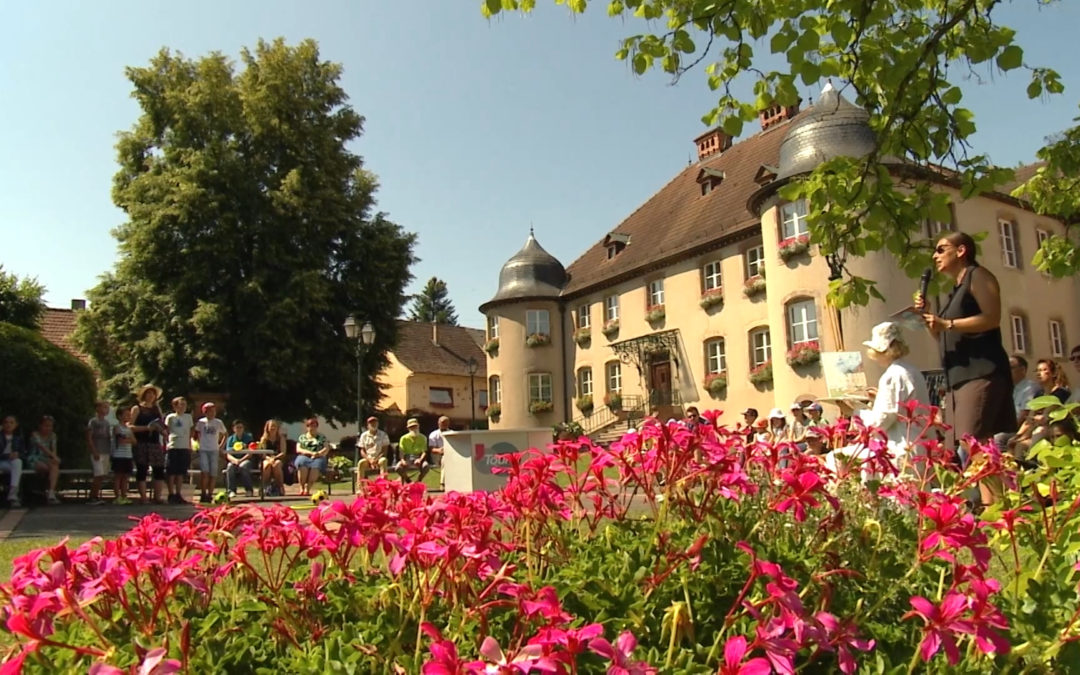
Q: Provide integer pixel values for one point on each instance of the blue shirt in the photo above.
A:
(1023, 392)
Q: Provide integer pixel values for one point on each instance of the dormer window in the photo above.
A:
(709, 179)
(765, 174)
(615, 242)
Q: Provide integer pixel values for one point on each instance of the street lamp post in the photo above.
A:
(364, 337)
(473, 366)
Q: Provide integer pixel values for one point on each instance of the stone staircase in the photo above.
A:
(609, 434)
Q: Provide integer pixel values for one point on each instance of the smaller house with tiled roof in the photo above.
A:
(435, 369)
(58, 325)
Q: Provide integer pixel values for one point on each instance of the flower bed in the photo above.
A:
(537, 340)
(734, 557)
(754, 286)
(710, 299)
(655, 313)
(613, 400)
(716, 383)
(793, 246)
(584, 404)
(804, 354)
(492, 347)
(762, 374)
(538, 407)
(610, 329)
(583, 336)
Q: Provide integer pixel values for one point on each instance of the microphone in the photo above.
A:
(924, 286)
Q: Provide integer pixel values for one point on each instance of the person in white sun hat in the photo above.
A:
(900, 383)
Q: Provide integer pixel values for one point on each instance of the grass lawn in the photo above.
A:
(13, 548)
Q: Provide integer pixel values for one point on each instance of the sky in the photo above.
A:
(477, 129)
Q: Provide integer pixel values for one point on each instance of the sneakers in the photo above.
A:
(52, 500)
(205, 498)
(95, 502)
(122, 501)
(232, 494)
(250, 493)
(14, 503)
(176, 499)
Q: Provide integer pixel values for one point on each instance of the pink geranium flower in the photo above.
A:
(941, 624)
(734, 650)
(620, 655)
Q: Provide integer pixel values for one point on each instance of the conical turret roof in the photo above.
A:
(832, 127)
(530, 273)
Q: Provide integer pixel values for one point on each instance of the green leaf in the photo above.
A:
(1010, 58)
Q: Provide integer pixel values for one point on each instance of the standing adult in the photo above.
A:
(747, 428)
(149, 452)
(979, 399)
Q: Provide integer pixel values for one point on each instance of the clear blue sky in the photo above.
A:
(475, 129)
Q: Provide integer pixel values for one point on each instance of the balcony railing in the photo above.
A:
(631, 408)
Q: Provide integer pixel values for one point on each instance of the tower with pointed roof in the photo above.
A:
(526, 337)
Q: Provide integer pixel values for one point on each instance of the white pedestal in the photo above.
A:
(470, 456)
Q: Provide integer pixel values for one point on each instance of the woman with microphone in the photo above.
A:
(976, 365)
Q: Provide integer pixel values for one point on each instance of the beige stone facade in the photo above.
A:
(664, 364)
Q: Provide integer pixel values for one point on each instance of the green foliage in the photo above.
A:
(251, 234)
(43, 379)
(433, 304)
(21, 300)
(904, 63)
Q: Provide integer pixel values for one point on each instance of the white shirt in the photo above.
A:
(435, 439)
(375, 444)
(901, 382)
(179, 426)
(210, 433)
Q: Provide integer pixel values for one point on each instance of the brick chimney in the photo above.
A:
(435, 333)
(775, 114)
(712, 143)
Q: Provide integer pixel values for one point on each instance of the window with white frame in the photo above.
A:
(537, 322)
(540, 387)
(937, 227)
(1019, 333)
(495, 389)
(755, 261)
(793, 219)
(1041, 236)
(656, 292)
(613, 373)
(583, 318)
(760, 347)
(482, 399)
(584, 380)
(710, 276)
(1057, 339)
(611, 308)
(715, 358)
(802, 321)
(1010, 249)
(493, 326)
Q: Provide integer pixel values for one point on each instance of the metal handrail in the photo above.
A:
(604, 416)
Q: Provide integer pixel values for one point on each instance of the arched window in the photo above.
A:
(715, 356)
(584, 382)
(613, 373)
(802, 321)
(793, 219)
(760, 346)
(494, 389)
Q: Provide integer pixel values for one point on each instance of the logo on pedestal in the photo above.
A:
(487, 459)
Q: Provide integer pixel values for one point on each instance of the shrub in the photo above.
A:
(492, 347)
(804, 353)
(733, 557)
(716, 383)
(710, 299)
(493, 411)
(793, 246)
(610, 329)
(537, 340)
(754, 286)
(40, 378)
(584, 404)
(537, 407)
(583, 336)
(762, 374)
(655, 313)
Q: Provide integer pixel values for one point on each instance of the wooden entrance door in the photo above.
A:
(660, 383)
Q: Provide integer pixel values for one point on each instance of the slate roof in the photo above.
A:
(679, 218)
(415, 350)
(57, 326)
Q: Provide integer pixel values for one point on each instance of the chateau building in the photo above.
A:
(709, 294)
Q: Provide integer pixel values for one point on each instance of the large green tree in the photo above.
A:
(21, 300)
(904, 61)
(433, 304)
(250, 236)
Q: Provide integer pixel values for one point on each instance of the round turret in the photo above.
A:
(832, 127)
(531, 273)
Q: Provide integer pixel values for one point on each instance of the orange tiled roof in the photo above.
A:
(57, 326)
(679, 218)
(416, 351)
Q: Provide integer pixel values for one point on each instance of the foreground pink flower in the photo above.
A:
(942, 623)
(620, 655)
(734, 651)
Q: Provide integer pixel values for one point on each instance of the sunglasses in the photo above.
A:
(942, 248)
(1075, 357)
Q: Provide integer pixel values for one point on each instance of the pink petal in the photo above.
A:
(734, 650)
(758, 666)
(491, 650)
(626, 642)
